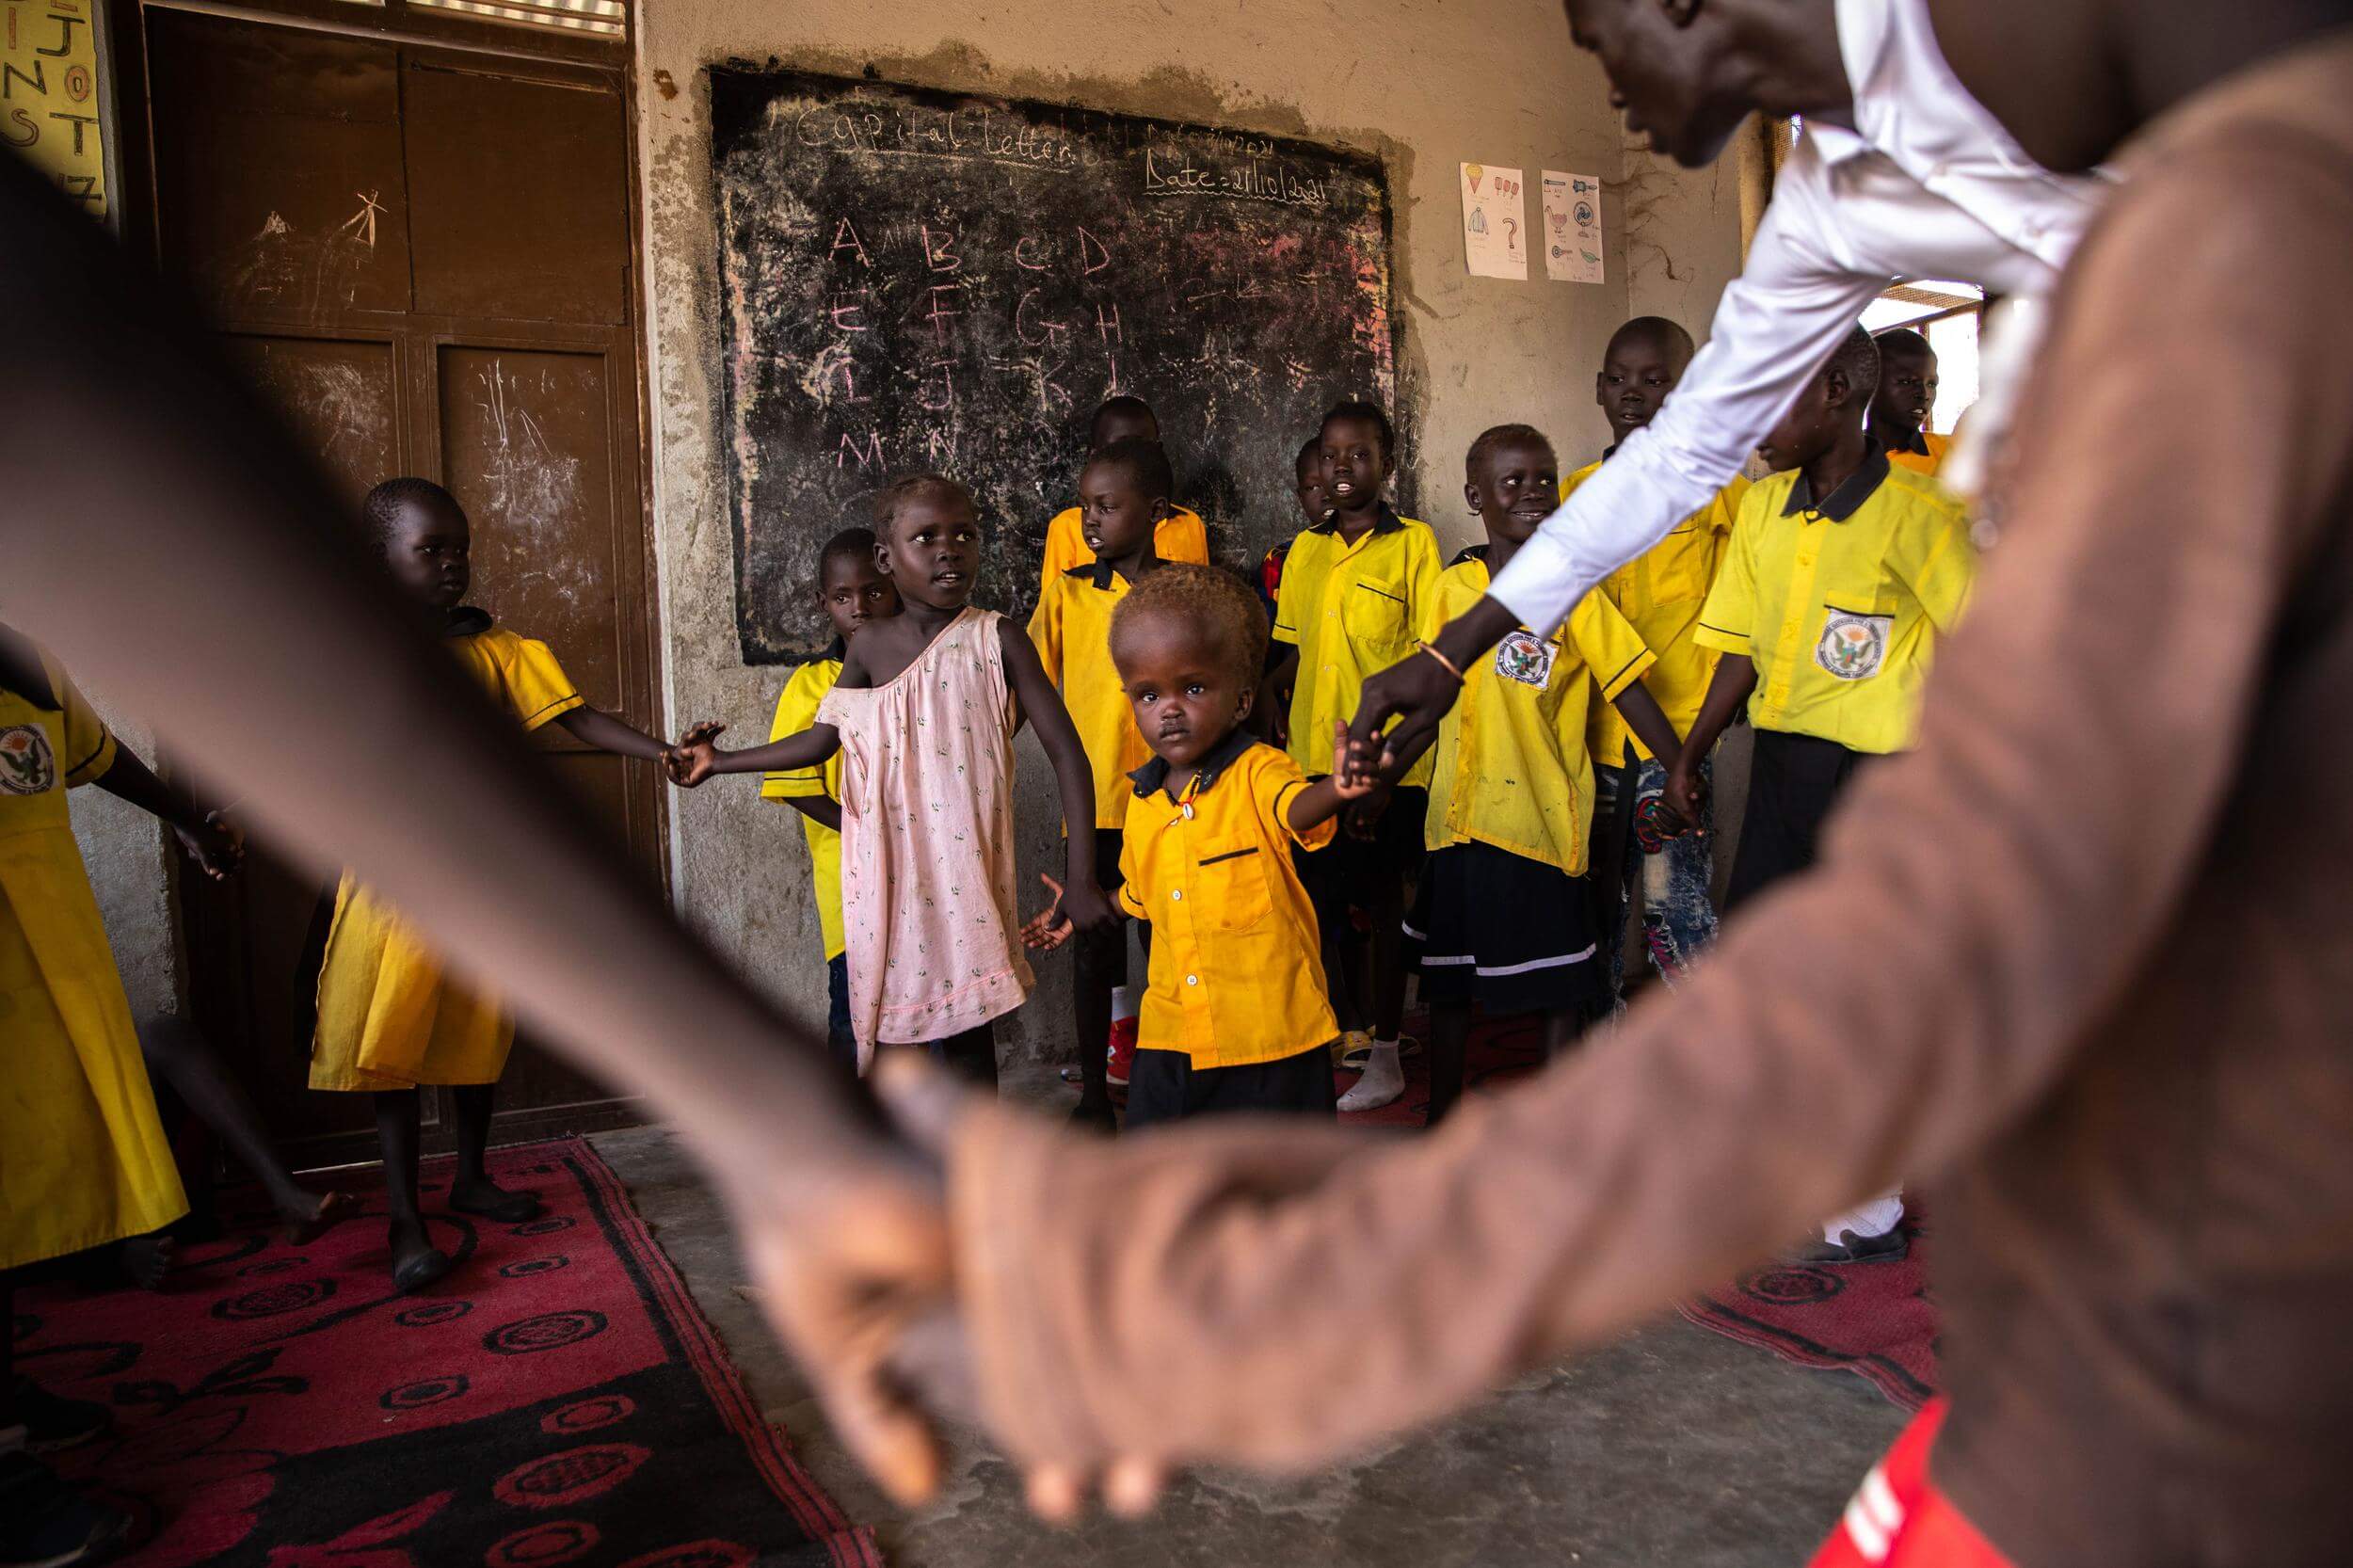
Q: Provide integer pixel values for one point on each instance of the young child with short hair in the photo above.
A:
(1502, 919)
(1123, 490)
(1235, 1018)
(390, 1020)
(1178, 533)
(1353, 598)
(1315, 509)
(1905, 401)
(851, 591)
(1842, 574)
(1659, 593)
(924, 715)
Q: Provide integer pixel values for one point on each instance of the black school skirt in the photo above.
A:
(1506, 933)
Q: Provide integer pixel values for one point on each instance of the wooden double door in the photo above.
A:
(421, 253)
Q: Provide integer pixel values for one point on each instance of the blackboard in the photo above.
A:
(913, 280)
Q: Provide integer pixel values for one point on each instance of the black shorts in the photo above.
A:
(1794, 781)
(1165, 1086)
(1497, 929)
(1352, 870)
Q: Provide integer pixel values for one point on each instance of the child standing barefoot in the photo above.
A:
(388, 1020)
(925, 715)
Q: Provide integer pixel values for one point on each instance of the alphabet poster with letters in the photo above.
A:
(49, 110)
(1495, 222)
(1572, 228)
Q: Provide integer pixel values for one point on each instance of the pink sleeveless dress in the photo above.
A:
(927, 847)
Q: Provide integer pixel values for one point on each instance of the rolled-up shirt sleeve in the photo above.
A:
(1775, 325)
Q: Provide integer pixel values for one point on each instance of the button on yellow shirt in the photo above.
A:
(1924, 462)
(1353, 610)
(1511, 766)
(1072, 629)
(1178, 536)
(1840, 604)
(796, 710)
(1660, 593)
(1237, 969)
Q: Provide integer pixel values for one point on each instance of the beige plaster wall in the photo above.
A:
(1420, 84)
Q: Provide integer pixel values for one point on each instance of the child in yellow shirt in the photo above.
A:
(1235, 1016)
(1503, 918)
(1354, 597)
(1178, 533)
(1906, 401)
(388, 1020)
(1124, 491)
(851, 591)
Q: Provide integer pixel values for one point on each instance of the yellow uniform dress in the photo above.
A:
(1660, 592)
(1181, 535)
(796, 710)
(1352, 610)
(83, 1159)
(1072, 629)
(388, 1017)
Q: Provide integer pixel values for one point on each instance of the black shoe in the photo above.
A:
(46, 1523)
(1888, 1246)
(52, 1422)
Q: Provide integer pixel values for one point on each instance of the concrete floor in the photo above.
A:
(1674, 1446)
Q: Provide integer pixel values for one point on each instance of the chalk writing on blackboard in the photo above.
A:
(916, 279)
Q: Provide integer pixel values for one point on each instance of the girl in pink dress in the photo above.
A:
(924, 716)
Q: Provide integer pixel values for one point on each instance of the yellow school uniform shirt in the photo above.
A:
(1660, 593)
(1072, 629)
(1928, 460)
(83, 1159)
(1839, 602)
(1511, 766)
(388, 1016)
(1181, 535)
(796, 710)
(1352, 610)
(1237, 969)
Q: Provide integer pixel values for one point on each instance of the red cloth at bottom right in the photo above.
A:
(1898, 1519)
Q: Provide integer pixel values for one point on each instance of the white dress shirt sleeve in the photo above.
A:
(1775, 327)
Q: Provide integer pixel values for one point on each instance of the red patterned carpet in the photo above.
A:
(557, 1399)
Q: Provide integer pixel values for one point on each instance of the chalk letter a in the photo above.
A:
(845, 238)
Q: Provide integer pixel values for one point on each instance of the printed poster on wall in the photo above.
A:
(1495, 219)
(49, 95)
(1572, 228)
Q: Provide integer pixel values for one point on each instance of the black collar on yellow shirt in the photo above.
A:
(1154, 774)
(1909, 440)
(466, 621)
(1386, 521)
(1847, 499)
(1096, 574)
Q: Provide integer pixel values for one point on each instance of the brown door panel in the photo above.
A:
(339, 398)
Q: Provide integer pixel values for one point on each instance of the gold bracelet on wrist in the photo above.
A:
(1444, 662)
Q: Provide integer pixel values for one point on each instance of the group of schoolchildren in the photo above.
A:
(1199, 734)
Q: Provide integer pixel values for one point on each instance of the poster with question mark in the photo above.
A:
(1572, 234)
(1495, 222)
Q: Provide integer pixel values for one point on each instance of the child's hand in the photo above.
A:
(1367, 809)
(1084, 905)
(216, 845)
(1354, 775)
(1683, 794)
(691, 759)
(1049, 928)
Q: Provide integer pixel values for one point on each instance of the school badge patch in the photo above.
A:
(1853, 647)
(27, 766)
(1526, 658)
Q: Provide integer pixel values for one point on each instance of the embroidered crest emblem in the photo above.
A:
(27, 766)
(1853, 647)
(1526, 658)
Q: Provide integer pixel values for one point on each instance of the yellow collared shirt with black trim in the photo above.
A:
(1352, 610)
(1181, 535)
(519, 673)
(1512, 766)
(1660, 592)
(796, 710)
(1925, 454)
(1839, 602)
(1237, 967)
(1072, 629)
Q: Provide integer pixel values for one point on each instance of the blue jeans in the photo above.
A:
(1677, 919)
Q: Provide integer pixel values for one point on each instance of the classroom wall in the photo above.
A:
(128, 855)
(1422, 85)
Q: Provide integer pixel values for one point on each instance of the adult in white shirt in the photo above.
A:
(1900, 174)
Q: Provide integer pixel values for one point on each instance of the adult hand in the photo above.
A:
(1417, 692)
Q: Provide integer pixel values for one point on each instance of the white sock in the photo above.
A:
(1876, 1218)
(1383, 1080)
